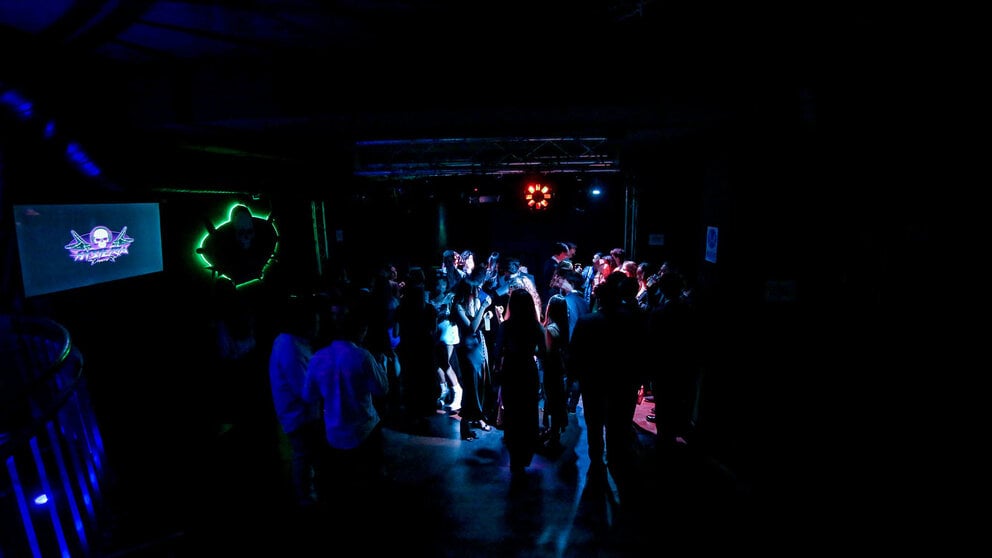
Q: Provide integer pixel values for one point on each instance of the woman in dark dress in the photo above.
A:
(555, 394)
(470, 308)
(520, 343)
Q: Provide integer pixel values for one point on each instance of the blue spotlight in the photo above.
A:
(23, 107)
(81, 160)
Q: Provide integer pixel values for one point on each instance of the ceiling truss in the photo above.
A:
(420, 158)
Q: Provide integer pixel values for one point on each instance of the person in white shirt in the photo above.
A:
(300, 420)
(351, 383)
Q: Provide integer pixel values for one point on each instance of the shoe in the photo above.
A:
(468, 436)
(481, 425)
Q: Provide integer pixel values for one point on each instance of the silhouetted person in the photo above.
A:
(379, 308)
(559, 253)
(520, 343)
(555, 393)
(674, 333)
(239, 364)
(577, 307)
(469, 308)
(417, 320)
(348, 380)
(300, 420)
(606, 354)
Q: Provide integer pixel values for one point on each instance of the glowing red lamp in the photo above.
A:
(537, 196)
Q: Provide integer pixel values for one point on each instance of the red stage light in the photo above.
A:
(537, 195)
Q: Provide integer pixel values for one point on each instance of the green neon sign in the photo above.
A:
(242, 247)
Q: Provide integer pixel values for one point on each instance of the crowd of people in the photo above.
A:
(493, 346)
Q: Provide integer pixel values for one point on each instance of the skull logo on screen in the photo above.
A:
(100, 236)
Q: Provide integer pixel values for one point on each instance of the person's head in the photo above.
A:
(391, 272)
(609, 292)
(671, 284)
(477, 277)
(521, 305)
(572, 249)
(468, 261)
(383, 286)
(563, 267)
(629, 268)
(464, 290)
(606, 265)
(557, 311)
(571, 281)
(627, 288)
(645, 270)
(354, 325)
(449, 259)
(331, 305)
(513, 266)
(618, 255)
(300, 317)
(559, 250)
(415, 277)
(493, 262)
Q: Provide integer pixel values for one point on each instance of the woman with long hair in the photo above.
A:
(556, 340)
(470, 307)
(520, 344)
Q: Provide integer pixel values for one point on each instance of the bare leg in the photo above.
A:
(456, 402)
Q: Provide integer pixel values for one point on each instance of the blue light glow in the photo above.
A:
(82, 161)
(23, 107)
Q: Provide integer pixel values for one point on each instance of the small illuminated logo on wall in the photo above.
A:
(100, 245)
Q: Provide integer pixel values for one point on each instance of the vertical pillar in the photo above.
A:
(630, 217)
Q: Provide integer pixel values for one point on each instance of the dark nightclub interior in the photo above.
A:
(762, 152)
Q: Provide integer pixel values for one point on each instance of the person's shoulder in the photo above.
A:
(323, 350)
(319, 357)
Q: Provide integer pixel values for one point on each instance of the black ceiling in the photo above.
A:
(206, 93)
